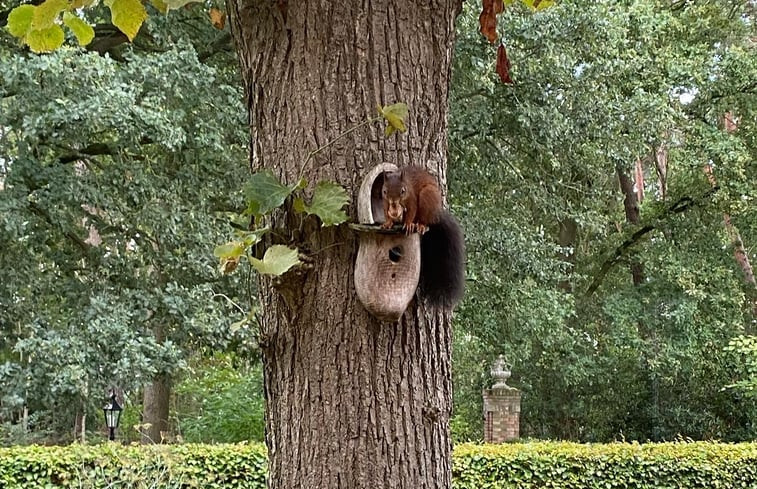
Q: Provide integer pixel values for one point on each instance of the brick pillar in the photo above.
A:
(501, 406)
(501, 415)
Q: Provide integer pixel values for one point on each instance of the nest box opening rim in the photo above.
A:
(370, 207)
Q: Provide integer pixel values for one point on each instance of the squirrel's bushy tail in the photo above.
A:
(442, 280)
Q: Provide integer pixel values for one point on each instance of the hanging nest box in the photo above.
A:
(388, 263)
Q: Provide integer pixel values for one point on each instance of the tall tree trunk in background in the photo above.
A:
(661, 167)
(350, 402)
(638, 177)
(633, 215)
(739, 250)
(80, 427)
(155, 402)
(155, 410)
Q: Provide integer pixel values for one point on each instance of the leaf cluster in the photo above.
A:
(264, 194)
(114, 184)
(534, 179)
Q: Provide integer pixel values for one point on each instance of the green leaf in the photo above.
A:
(301, 184)
(174, 4)
(127, 15)
(298, 205)
(229, 255)
(250, 238)
(328, 200)
(233, 249)
(45, 40)
(264, 193)
(160, 5)
(276, 261)
(539, 4)
(20, 20)
(84, 32)
(395, 116)
(47, 12)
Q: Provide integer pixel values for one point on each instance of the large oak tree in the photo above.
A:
(351, 402)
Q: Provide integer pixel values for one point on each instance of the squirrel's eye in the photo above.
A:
(403, 190)
(383, 192)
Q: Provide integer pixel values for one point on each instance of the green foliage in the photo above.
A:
(573, 466)
(395, 116)
(37, 25)
(221, 402)
(276, 261)
(127, 467)
(264, 193)
(114, 186)
(84, 32)
(127, 15)
(745, 347)
(519, 465)
(329, 199)
(534, 180)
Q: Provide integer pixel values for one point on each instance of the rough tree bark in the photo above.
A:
(633, 215)
(351, 402)
(155, 410)
(155, 402)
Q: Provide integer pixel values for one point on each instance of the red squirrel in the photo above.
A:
(411, 196)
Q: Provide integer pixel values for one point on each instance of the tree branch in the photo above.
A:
(84, 247)
(94, 149)
(221, 43)
(681, 205)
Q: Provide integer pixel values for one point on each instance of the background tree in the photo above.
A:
(599, 351)
(116, 188)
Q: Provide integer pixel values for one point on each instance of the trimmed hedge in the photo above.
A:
(115, 466)
(517, 465)
(622, 465)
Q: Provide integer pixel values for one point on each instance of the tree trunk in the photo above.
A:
(155, 402)
(351, 402)
(633, 215)
(155, 410)
(80, 427)
(740, 253)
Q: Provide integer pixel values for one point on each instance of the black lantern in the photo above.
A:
(112, 415)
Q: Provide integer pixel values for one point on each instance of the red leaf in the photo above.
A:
(217, 18)
(503, 65)
(488, 19)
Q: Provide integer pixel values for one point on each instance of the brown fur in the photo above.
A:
(411, 196)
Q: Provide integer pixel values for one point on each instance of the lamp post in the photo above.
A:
(112, 412)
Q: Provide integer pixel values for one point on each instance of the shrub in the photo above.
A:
(518, 465)
(622, 465)
(134, 467)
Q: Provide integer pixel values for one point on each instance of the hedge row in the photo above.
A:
(518, 465)
(114, 466)
(621, 465)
